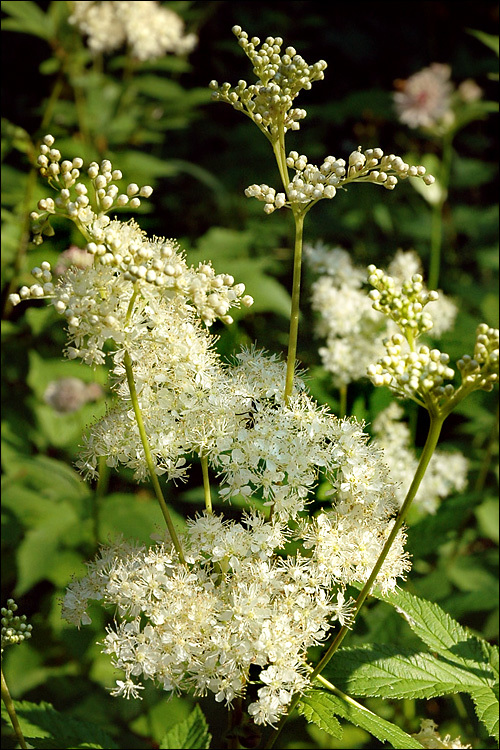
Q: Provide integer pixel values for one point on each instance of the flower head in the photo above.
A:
(148, 28)
(424, 99)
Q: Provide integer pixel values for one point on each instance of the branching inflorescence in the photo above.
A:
(223, 603)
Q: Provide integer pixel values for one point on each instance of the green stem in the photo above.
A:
(436, 423)
(9, 705)
(206, 484)
(437, 213)
(343, 400)
(149, 459)
(295, 311)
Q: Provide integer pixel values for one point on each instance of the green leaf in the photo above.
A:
(487, 516)
(475, 661)
(44, 727)
(359, 716)
(386, 671)
(27, 17)
(191, 734)
(486, 705)
(443, 635)
(134, 517)
(316, 707)
(158, 88)
(490, 40)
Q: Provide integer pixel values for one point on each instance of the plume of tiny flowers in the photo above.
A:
(111, 299)
(418, 372)
(15, 629)
(238, 606)
(353, 329)
(429, 737)
(149, 29)
(429, 100)
(446, 473)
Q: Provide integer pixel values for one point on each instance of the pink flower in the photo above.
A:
(424, 98)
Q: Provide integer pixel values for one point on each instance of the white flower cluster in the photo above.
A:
(429, 737)
(312, 183)
(412, 373)
(446, 473)
(419, 372)
(235, 613)
(236, 416)
(15, 629)
(280, 78)
(481, 370)
(353, 329)
(150, 29)
(425, 97)
(117, 297)
(403, 304)
(73, 199)
(67, 395)
(428, 98)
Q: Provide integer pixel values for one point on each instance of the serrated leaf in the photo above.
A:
(442, 634)
(386, 671)
(316, 708)
(361, 717)
(191, 734)
(486, 705)
(44, 727)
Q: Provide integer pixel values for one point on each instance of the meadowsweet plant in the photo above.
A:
(247, 609)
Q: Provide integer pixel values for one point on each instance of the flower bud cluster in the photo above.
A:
(14, 627)
(312, 183)
(481, 370)
(412, 373)
(95, 299)
(280, 78)
(405, 303)
(73, 200)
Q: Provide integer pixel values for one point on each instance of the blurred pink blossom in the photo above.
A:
(424, 99)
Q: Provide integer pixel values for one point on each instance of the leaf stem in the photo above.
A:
(206, 484)
(9, 705)
(295, 311)
(149, 459)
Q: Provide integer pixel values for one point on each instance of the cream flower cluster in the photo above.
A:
(403, 304)
(15, 629)
(353, 329)
(481, 370)
(148, 28)
(428, 98)
(235, 415)
(312, 183)
(280, 78)
(238, 611)
(73, 199)
(446, 473)
(114, 298)
(425, 97)
(429, 737)
(419, 372)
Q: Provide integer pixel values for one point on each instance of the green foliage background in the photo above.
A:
(156, 123)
